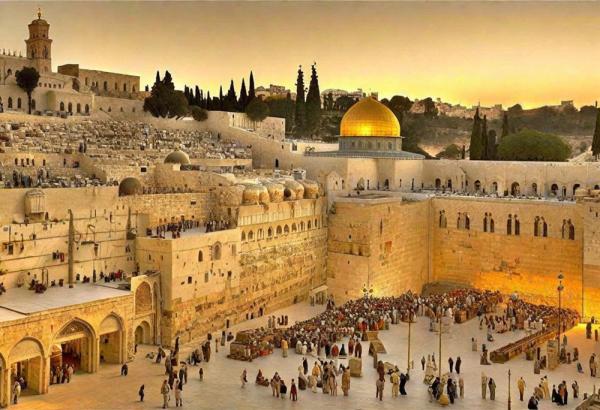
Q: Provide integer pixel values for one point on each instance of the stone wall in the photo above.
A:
(524, 263)
(378, 244)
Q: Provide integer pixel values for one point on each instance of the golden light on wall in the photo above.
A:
(369, 118)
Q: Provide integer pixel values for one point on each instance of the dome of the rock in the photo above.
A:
(369, 118)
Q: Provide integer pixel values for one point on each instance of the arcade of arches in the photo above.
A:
(85, 337)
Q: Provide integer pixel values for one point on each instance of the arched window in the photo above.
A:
(270, 232)
(10, 105)
(278, 231)
(216, 251)
(78, 108)
(438, 183)
(554, 190)
(105, 86)
(286, 229)
(243, 236)
(251, 235)
(309, 225)
(62, 106)
(443, 223)
(534, 189)
(294, 227)
(575, 188)
(19, 104)
(125, 87)
(200, 256)
(515, 189)
(477, 186)
(70, 108)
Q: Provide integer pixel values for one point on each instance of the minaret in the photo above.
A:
(39, 45)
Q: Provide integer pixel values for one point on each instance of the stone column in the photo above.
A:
(4, 386)
(45, 376)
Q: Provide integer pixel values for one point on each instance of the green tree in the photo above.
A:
(343, 103)
(251, 91)
(221, 98)
(484, 139)
(475, 146)
(313, 103)
(231, 101)
(243, 101)
(505, 126)
(208, 102)
(452, 151)
(300, 113)
(164, 101)
(530, 145)
(27, 79)
(596, 138)
(198, 99)
(257, 110)
(199, 114)
(282, 108)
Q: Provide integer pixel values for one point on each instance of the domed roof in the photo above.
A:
(130, 186)
(369, 118)
(177, 157)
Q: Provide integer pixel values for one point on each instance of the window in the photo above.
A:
(205, 277)
(442, 220)
(200, 256)
(189, 280)
(19, 103)
(10, 105)
(243, 236)
(216, 251)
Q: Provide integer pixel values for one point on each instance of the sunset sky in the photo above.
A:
(531, 53)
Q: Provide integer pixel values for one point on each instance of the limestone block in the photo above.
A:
(355, 367)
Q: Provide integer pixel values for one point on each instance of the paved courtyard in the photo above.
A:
(221, 385)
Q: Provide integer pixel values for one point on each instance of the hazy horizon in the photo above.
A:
(462, 52)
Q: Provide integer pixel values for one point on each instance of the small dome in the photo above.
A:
(177, 157)
(293, 190)
(311, 189)
(275, 191)
(369, 118)
(130, 186)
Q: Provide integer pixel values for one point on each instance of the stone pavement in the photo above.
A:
(221, 386)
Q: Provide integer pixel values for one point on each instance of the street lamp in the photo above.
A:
(410, 316)
(509, 401)
(560, 288)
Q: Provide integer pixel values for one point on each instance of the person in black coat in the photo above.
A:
(457, 365)
(533, 403)
(450, 364)
(403, 380)
(451, 389)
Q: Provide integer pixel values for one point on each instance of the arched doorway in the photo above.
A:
(111, 340)
(477, 186)
(554, 190)
(27, 359)
(515, 189)
(143, 333)
(276, 163)
(76, 340)
(438, 183)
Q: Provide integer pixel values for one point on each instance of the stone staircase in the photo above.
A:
(591, 403)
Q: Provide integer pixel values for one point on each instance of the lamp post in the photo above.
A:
(509, 401)
(410, 315)
(560, 288)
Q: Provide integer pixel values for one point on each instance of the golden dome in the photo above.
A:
(369, 118)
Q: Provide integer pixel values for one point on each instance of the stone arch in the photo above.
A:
(575, 186)
(112, 339)
(515, 189)
(27, 357)
(26, 348)
(143, 299)
(143, 333)
(78, 339)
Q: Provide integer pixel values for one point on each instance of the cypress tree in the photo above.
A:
(475, 147)
(157, 80)
(299, 116)
(168, 80)
(221, 102)
(505, 127)
(484, 139)
(243, 101)
(198, 97)
(231, 98)
(313, 103)
(251, 91)
(208, 102)
(596, 139)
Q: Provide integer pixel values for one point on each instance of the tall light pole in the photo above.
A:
(509, 401)
(560, 288)
(410, 315)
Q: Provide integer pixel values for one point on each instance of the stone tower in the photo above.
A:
(38, 45)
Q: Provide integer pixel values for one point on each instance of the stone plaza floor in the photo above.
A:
(221, 389)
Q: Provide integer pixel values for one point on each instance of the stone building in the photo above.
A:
(83, 200)
(71, 90)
